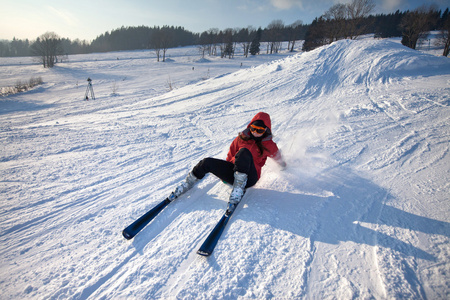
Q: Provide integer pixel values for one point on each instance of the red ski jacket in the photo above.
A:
(258, 158)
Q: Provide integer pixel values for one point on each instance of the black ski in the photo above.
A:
(211, 241)
(140, 223)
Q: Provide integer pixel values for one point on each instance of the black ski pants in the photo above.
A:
(225, 169)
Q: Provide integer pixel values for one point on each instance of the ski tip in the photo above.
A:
(203, 253)
(127, 235)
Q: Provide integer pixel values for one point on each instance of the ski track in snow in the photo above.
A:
(361, 211)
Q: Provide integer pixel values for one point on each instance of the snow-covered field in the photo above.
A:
(361, 212)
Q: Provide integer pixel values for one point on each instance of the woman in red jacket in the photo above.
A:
(247, 155)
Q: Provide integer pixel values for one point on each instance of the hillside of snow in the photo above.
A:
(361, 211)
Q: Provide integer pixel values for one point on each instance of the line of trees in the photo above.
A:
(49, 47)
(341, 21)
(349, 21)
(15, 48)
(223, 43)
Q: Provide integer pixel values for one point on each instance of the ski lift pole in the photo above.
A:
(89, 90)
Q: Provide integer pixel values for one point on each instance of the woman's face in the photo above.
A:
(257, 131)
(257, 135)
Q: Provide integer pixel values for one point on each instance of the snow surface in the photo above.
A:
(361, 212)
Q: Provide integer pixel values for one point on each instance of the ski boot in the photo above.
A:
(240, 180)
(184, 186)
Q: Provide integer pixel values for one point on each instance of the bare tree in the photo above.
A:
(47, 47)
(339, 22)
(335, 23)
(155, 42)
(245, 37)
(209, 40)
(358, 11)
(161, 40)
(204, 45)
(166, 40)
(347, 20)
(445, 37)
(416, 24)
(214, 40)
(294, 31)
(274, 36)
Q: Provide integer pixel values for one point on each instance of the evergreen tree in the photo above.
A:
(256, 43)
(315, 35)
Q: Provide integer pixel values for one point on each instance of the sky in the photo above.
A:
(85, 20)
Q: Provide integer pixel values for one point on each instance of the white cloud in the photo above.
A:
(391, 5)
(287, 4)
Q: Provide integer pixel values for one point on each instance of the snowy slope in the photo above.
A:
(362, 211)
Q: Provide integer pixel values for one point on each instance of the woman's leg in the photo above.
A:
(244, 164)
(244, 176)
(225, 170)
(221, 168)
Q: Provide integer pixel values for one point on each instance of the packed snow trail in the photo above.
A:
(361, 211)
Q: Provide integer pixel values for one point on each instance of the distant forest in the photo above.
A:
(223, 42)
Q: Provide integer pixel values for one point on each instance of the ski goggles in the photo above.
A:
(257, 129)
